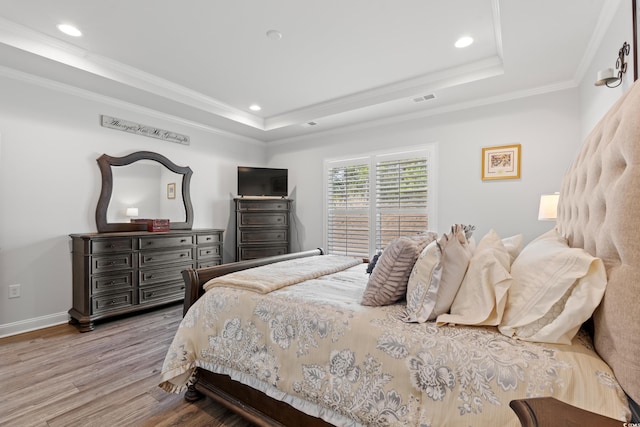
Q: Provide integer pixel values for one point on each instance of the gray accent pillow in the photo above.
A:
(388, 281)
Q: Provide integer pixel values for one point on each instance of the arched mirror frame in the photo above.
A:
(105, 162)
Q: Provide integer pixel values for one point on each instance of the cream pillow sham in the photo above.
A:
(556, 288)
(482, 295)
(436, 276)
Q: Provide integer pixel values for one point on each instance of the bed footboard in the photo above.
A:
(195, 278)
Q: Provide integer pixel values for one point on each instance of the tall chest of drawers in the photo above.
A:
(119, 273)
(262, 227)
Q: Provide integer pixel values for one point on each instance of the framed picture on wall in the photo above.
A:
(171, 190)
(501, 162)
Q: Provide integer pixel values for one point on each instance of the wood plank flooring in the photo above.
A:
(58, 377)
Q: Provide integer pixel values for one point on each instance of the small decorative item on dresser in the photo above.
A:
(154, 225)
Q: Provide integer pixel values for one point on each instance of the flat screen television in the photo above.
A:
(262, 181)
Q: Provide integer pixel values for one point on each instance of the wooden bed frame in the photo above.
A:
(251, 404)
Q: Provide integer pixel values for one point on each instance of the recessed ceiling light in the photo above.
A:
(255, 107)
(274, 34)
(70, 30)
(464, 42)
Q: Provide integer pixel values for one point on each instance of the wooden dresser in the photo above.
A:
(124, 272)
(262, 227)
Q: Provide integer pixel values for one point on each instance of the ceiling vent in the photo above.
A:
(424, 98)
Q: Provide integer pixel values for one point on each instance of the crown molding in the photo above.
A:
(571, 84)
(25, 39)
(92, 96)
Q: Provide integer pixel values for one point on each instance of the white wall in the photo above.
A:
(547, 126)
(596, 100)
(50, 183)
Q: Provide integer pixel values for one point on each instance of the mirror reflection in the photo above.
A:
(152, 190)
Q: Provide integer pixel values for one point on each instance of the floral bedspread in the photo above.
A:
(314, 346)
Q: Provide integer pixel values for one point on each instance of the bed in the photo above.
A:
(547, 329)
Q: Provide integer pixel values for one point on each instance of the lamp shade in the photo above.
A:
(548, 210)
(132, 212)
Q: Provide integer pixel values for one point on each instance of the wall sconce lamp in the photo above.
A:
(131, 212)
(606, 77)
(548, 210)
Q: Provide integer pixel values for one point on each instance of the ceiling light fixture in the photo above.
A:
(606, 77)
(274, 34)
(70, 30)
(463, 42)
(255, 107)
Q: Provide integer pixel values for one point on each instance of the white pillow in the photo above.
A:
(437, 275)
(556, 288)
(482, 294)
(513, 245)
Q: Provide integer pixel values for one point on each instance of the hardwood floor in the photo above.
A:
(58, 377)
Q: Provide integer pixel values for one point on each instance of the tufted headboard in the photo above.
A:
(599, 210)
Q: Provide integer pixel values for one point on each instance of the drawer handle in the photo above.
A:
(151, 294)
(183, 255)
(278, 236)
(112, 302)
(149, 259)
(183, 240)
(208, 238)
(111, 246)
(182, 288)
(279, 219)
(150, 276)
(111, 263)
(149, 242)
(208, 252)
(113, 282)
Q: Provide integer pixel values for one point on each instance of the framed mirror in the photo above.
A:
(143, 185)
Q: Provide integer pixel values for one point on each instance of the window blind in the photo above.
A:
(348, 204)
(371, 201)
(401, 199)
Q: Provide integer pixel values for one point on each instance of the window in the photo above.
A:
(372, 200)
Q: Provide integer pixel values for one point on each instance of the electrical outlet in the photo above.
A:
(14, 291)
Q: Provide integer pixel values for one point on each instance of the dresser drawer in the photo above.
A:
(264, 219)
(111, 245)
(112, 282)
(173, 291)
(209, 263)
(208, 252)
(263, 205)
(203, 239)
(264, 236)
(152, 258)
(153, 276)
(165, 242)
(111, 263)
(252, 252)
(112, 302)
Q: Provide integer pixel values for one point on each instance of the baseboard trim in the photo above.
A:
(29, 325)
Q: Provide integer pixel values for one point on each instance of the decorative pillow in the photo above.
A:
(388, 281)
(436, 276)
(513, 245)
(372, 263)
(483, 293)
(556, 288)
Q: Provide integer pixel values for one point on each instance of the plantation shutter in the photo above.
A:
(348, 210)
(372, 200)
(401, 198)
